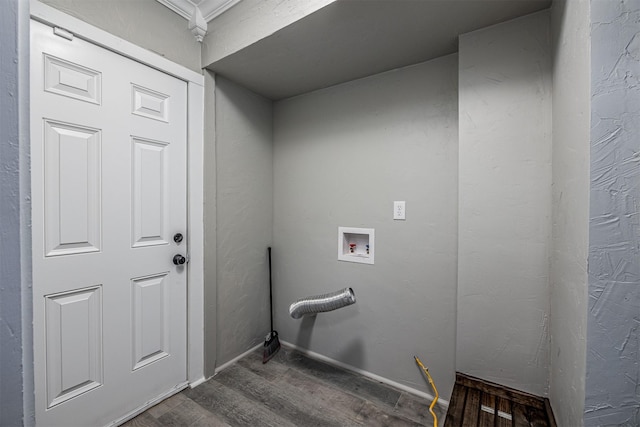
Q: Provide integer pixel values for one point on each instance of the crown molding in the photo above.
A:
(198, 12)
(212, 8)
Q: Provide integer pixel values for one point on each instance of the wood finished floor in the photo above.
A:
(479, 403)
(290, 390)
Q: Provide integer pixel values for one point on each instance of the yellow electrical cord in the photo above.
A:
(426, 371)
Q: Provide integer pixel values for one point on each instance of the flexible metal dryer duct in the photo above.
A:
(322, 303)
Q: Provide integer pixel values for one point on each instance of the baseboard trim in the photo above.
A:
(441, 402)
(197, 382)
(178, 388)
(235, 359)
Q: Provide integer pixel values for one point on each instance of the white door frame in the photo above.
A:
(195, 169)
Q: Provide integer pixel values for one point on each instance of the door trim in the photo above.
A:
(195, 165)
(163, 396)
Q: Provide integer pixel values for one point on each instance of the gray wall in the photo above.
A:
(244, 217)
(342, 155)
(570, 231)
(16, 387)
(613, 368)
(145, 23)
(505, 203)
(251, 21)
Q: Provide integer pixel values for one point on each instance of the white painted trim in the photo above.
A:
(183, 8)
(197, 25)
(235, 359)
(53, 17)
(195, 128)
(198, 13)
(149, 404)
(209, 8)
(195, 301)
(441, 402)
(195, 384)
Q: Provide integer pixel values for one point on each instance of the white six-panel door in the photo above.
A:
(109, 194)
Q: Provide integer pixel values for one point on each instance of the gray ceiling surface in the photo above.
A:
(350, 39)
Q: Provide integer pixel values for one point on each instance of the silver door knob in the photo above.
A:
(179, 259)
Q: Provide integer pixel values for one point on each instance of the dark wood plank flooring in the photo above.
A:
(290, 390)
(478, 403)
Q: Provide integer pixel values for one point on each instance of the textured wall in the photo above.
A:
(16, 400)
(10, 306)
(505, 203)
(613, 368)
(342, 156)
(570, 232)
(145, 23)
(244, 217)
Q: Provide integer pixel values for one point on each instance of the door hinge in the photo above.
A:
(61, 32)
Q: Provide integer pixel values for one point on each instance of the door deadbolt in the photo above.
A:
(178, 237)
(179, 259)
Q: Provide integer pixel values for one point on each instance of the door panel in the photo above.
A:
(150, 330)
(73, 80)
(72, 189)
(74, 344)
(149, 192)
(109, 191)
(149, 103)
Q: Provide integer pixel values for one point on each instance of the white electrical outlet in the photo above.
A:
(399, 210)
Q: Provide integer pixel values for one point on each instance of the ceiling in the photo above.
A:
(350, 39)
